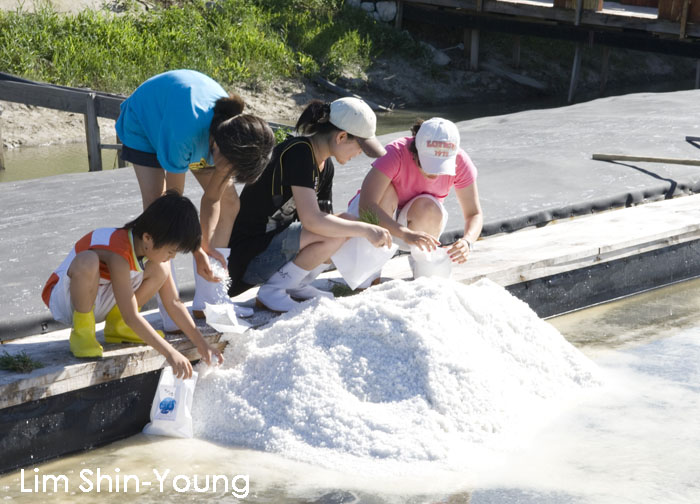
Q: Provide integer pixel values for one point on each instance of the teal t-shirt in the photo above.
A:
(170, 115)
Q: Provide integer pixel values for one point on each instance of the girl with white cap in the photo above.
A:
(407, 186)
(285, 230)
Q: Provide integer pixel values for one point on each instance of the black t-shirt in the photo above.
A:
(267, 206)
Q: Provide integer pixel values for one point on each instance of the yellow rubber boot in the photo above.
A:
(82, 338)
(116, 330)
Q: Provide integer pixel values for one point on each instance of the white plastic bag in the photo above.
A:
(431, 263)
(358, 259)
(171, 411)
(224, 318)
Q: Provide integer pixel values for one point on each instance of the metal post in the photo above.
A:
(575, 71)
(604, 69)
(120, 162)
(92, 134)
(474, 52)
(516, 51)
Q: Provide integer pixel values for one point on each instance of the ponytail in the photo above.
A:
(224, 109)
(315, 119)
(414, 131)
(245, 140)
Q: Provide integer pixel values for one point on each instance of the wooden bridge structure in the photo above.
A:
(662, 26)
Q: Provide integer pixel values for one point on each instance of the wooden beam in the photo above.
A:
(645, 159)
(92, 134)
(68, 100)
(682, 32)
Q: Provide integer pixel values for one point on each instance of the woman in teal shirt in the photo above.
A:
(184, 120)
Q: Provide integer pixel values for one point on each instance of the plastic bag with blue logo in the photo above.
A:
(171, 411)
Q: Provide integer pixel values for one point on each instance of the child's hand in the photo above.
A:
(182, 368)
(210, 355)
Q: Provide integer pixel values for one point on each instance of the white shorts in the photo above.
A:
(401, 215)
(60, 303)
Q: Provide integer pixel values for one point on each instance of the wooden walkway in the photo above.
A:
(508, 259)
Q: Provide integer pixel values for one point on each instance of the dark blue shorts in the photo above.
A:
(141, 158)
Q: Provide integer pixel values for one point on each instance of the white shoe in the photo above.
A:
(243, 311)
(273, 293)
(308, 291)
(209, 292)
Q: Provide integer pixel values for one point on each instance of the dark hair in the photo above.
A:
(315, 119)
(414, 131)
(170, 220)
(244, 139)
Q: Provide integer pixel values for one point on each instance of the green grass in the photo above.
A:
(20, 362)
(237, 42)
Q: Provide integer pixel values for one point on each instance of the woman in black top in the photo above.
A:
(285, 231)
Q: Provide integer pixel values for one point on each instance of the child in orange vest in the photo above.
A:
(111, 272)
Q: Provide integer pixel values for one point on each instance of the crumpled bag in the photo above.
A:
(431, 263)
(224, 318)
(358, 259)
(171, 411)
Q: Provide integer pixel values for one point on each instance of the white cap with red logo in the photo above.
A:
(437, 142)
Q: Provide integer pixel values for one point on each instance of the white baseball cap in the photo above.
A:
(357, 118)
(437, 143)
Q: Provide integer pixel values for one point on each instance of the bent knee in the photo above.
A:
(85, 263)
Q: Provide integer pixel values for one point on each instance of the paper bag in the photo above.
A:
(171, 411)
(358, 259)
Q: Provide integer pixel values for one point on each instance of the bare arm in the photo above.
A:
(373, 189)
(468, 198)
(316, 221)
(178, 312)
(126, 301)
(209, 210)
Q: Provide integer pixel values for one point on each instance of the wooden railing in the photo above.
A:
(92, 104)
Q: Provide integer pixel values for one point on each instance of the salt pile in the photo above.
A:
(406, 371)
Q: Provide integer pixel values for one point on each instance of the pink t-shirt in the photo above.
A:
(409, 181)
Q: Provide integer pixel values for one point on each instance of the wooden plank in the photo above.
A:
(92, 134)
(515, 77)
(570, 244)
(684, 19)
(645, 159)
(67, 373)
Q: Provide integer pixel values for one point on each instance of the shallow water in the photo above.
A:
(633, 440)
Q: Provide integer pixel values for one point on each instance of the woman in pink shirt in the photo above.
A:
(407, 186)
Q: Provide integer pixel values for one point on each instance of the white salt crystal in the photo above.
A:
(408, 372)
